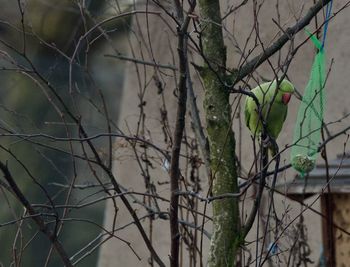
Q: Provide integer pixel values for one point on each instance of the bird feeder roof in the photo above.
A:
(316, 181)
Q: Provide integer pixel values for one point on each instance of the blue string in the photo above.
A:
(328, 14)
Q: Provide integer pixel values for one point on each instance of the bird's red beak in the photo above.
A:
(285, 98)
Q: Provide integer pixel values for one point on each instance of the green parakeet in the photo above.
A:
(274, 116)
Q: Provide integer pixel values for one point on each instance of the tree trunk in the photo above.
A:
(225, 237)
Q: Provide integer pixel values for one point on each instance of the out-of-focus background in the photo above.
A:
(53, 29)
(78, 56)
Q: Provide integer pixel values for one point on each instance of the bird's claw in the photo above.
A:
(266, 142)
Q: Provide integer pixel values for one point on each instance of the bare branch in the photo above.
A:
(289, 33)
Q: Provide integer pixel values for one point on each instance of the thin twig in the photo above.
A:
(37, 219)
(250, 66)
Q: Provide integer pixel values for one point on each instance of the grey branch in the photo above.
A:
(250, 66)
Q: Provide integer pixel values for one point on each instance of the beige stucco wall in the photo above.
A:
(116, 253)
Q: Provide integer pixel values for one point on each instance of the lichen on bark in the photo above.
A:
(225, 238)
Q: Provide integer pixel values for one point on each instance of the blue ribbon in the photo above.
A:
(328, 15)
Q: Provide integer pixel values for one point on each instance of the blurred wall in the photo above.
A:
(237, 30)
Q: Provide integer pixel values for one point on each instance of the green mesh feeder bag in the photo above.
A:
(307, 132)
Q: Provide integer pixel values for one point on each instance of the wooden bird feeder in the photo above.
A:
(335, 205)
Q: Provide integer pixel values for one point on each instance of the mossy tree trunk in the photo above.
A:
(225, 238)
